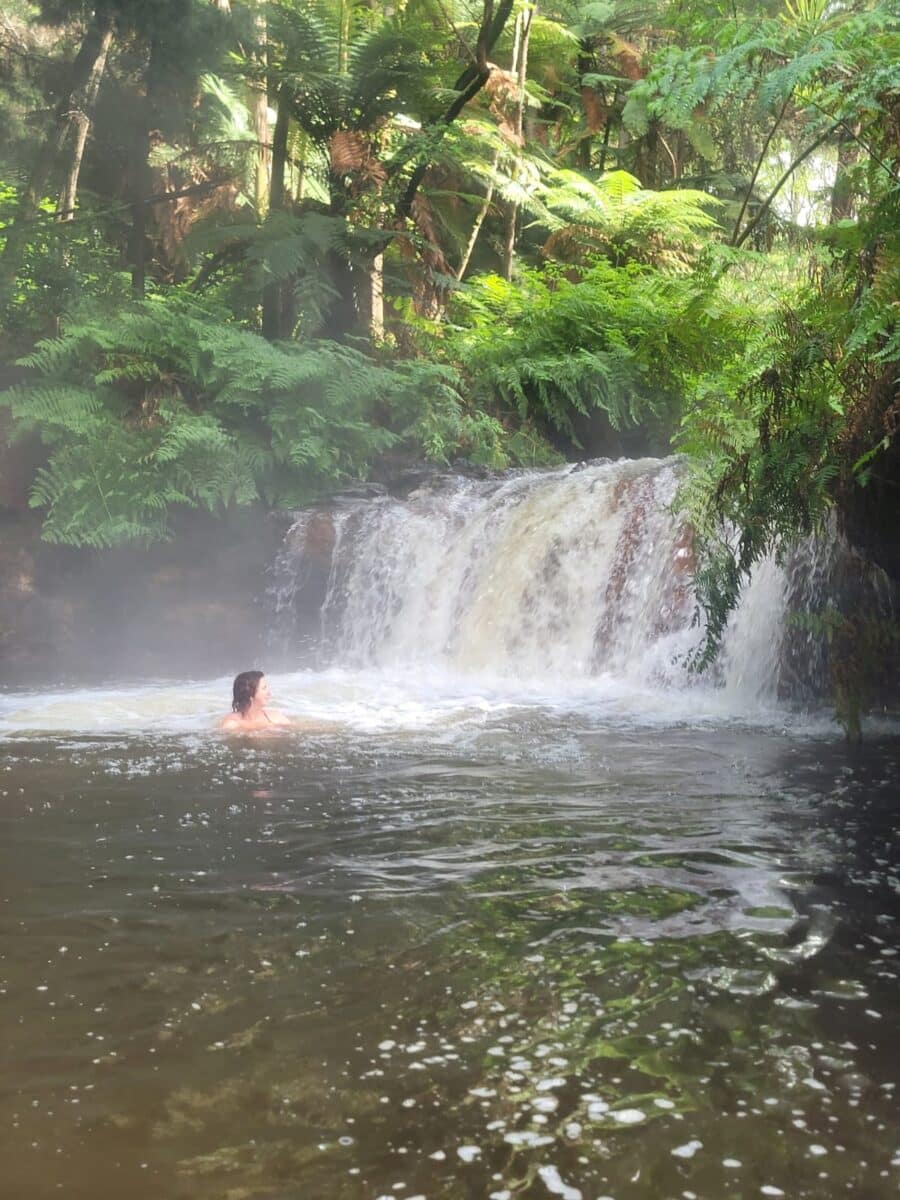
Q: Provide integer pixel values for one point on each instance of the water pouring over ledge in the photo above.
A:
(567, 589)
(569, 579)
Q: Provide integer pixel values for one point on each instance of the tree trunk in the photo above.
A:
(376, 299)
(476, 227)
(467, 86)
(842, 193)
(588, 96)
(155, 83)
(604, 149)
(520, 66)
(260, 111)
(737, 238)
(80, 123)
(345, 17)
(278, 191)
(767, 203)
(93, 49)
(137, 247)
(275, 304)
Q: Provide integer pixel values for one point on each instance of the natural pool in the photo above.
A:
(459, 947)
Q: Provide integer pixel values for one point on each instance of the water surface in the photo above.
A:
(467, 945)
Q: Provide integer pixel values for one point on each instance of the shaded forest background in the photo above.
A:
(252, 252)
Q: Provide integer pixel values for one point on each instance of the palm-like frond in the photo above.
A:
(615, 212)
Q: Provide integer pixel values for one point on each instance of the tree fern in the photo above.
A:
(548, 348)
(160, 406)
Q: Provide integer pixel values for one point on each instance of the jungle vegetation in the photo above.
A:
(252, 250)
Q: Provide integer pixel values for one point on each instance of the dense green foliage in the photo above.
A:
(249, 249)
(626, 341)
(806, 419)
(167, 404)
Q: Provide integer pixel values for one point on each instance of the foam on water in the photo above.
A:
(438, 702)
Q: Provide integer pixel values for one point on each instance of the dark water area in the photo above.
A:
(544, 957)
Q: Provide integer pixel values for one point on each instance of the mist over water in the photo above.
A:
(540, 915)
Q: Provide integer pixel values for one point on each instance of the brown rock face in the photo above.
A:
(320, 539)
(678, 600)
(634, 495)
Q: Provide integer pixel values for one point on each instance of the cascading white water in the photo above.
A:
(473, 603)
(554, 575)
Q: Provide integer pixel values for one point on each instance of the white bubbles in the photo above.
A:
(555, 1185)
(628, 1116)
(689, 1149)
(526, 1137)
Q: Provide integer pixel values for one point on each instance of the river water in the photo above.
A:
(478, 940)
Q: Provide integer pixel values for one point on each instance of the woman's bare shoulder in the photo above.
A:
(231, 721)
(278, 718)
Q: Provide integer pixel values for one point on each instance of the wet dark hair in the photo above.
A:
(244, 690)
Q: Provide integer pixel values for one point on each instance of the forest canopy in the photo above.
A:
(251, 251)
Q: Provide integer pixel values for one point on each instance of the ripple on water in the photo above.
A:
(265, 968)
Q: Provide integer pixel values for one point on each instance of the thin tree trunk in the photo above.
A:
(274, 306)
(376, 298)
(767, 203)
(346, 14)
(80, 123)
(604, 149)
(757, 169)
(137, 250)
(278, 191)
(520, 66)
(583, 153)
(155, 84)
(467, 86)
(93, 48)
(479, 221)
(260, 111)
(842, 193)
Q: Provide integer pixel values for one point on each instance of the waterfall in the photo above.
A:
(566, 574)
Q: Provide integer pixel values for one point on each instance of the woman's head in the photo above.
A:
(244, 692)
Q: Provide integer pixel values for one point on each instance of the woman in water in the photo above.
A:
(249, 712)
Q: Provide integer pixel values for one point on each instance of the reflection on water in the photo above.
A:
(504, 954)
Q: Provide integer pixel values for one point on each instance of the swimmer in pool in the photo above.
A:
(249, 712)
